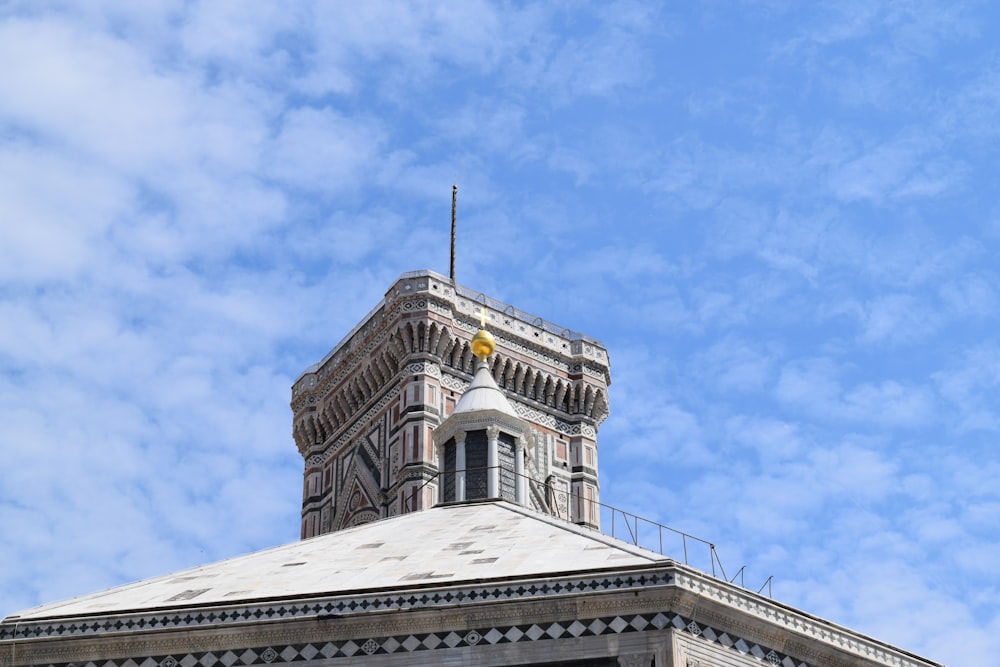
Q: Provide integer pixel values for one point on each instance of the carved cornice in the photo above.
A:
(668, 598)
(356, 425)
(218, 615)
(515, 330)
(758, 610)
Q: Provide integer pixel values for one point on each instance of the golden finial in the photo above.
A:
(483, 342)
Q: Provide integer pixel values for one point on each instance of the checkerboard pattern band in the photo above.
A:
(361, 646)
(416, 599)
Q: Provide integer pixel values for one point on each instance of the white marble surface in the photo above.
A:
(483, 394)
(442, 545)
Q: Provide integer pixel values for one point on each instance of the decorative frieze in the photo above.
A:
(422, 368)
(531, 414)
(755, 607)
(455, 384)
(398, 601)
(378, 643)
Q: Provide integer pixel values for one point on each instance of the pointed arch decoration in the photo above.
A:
(399, 346)
(467, 359)
(601, 407)
(437, 333)
(319, 428)
(529, 382)
(538, 389)
(548, 391)
(381, 362)
(344, 404)
(337, 410)
(421, 337)
(560, 396)
(519, 374)
(373, 384)
(447, 347)
(589, 398)
(410, 337)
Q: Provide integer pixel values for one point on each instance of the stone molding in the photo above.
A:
(221, 615)
(422, 368)
(454, 383)
(402, 298)
(537, 416)
(456, 617)
(291, 647)
(477, 421)
(759, 608)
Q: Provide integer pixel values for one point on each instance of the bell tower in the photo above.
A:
(384, 419)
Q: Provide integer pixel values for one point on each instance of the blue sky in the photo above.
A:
(780, 218)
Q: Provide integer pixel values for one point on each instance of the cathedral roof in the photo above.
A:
(486, 579)
(443, 545)
(483, 394)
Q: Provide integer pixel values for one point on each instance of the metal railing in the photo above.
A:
(625, 526)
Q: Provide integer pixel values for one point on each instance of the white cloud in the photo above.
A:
(815, 386)
(774, 441)
(901, 168)
(93, 92)
(735, 365)
(225, 33)
(897, 318)
(323, 151)
(45, 232)
(414, 40)
(969, 385)
(972, 295)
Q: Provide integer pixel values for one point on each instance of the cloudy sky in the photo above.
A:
(780, 217)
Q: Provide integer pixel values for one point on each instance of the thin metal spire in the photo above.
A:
(454, 203)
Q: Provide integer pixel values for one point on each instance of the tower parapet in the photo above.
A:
(364, 416)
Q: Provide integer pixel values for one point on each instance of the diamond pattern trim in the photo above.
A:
(333, 606)
(565, 629)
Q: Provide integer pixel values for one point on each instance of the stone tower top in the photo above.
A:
(365, 415)
(520, 327)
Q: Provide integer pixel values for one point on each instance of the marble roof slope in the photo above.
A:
(443, 545)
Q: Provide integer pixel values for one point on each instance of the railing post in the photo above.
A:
(632, 526)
